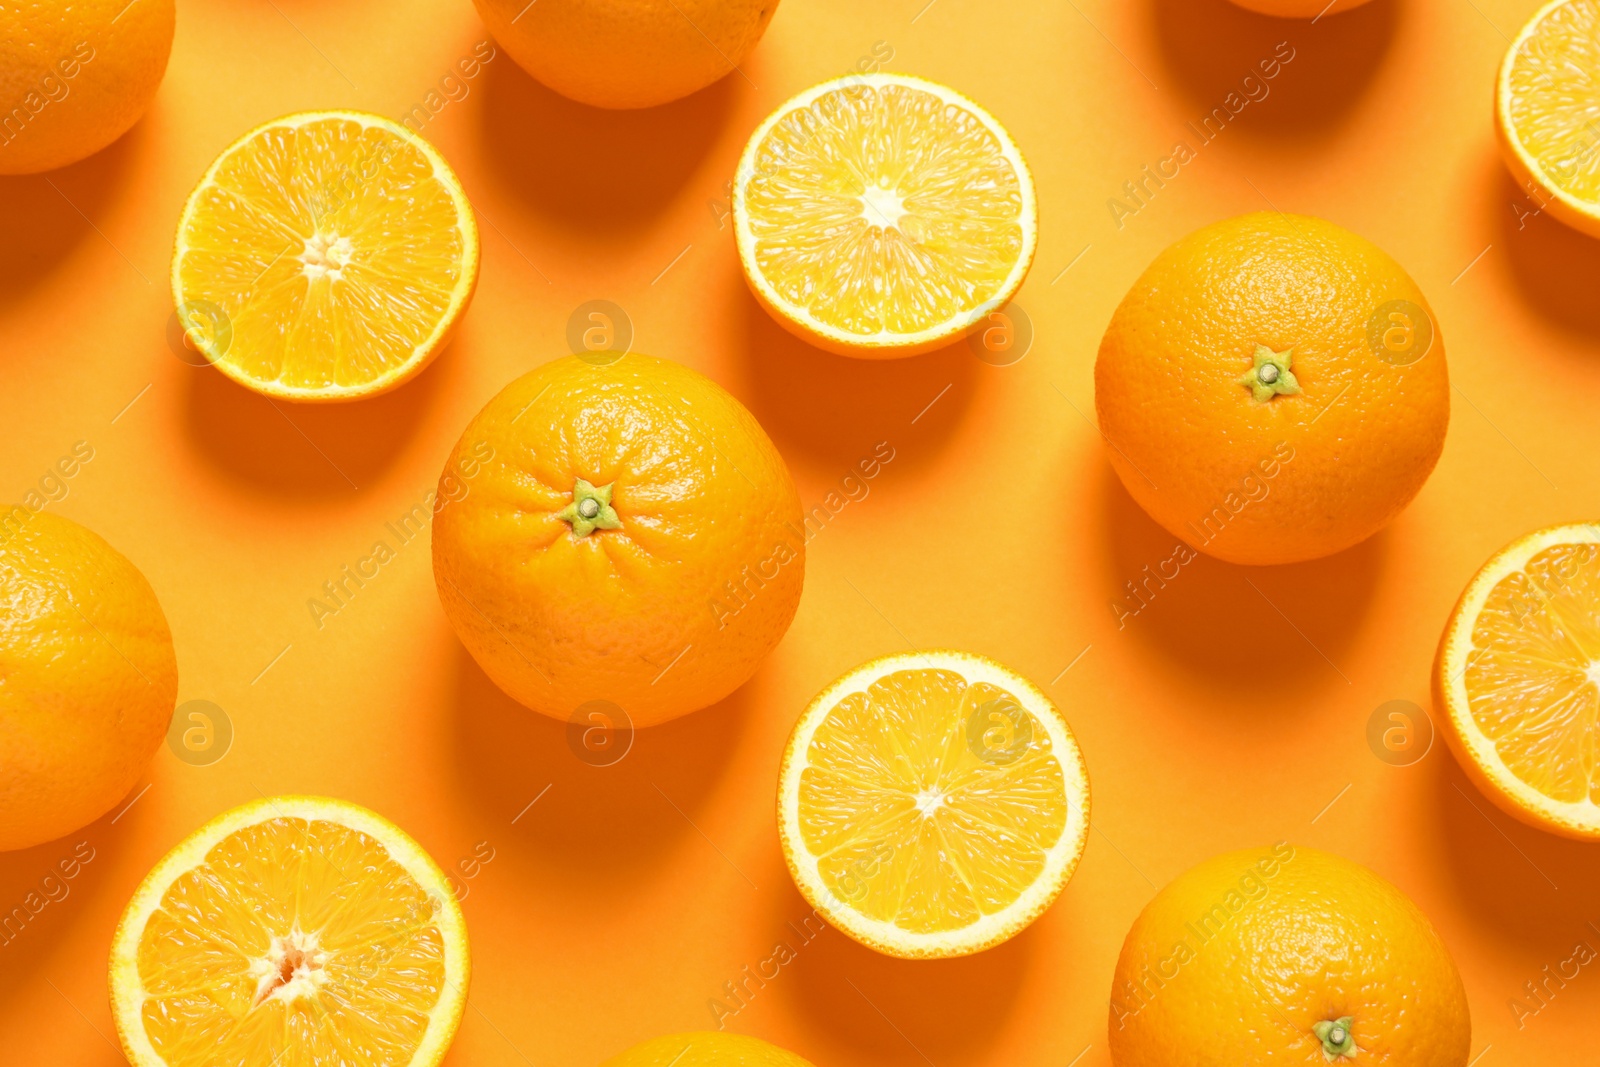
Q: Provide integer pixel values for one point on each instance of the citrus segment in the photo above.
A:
(932, 804)
(291, 931)
(881, 215)
(324, 256)
(1519, 677)
(1547, 110)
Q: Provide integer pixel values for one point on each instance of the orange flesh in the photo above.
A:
(331, 247)
(825, 204)
(293, 944)
(980, 836)
(1555, 97)
(1533, 675)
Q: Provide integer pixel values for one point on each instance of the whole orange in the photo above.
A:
(75, 75)
(1285, 955)
(617, 535)
(88, 678)
(627, 53)
(1273, 389)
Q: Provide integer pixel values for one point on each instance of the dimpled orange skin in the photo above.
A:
(88, 678)
(666, 614)
(1301, 937)
(1299, 9)
(1327, 467)
(627, 53)
(116, 54)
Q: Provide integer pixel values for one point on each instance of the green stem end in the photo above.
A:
(590, 510)
(1337, 1037)
(1271, 375)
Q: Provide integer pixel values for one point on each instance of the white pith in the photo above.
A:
(882, 207)
(325, 256)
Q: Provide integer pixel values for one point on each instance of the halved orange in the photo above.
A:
(1547, 111)
(932, 803)
(1518, 678)
(324, 256)
(291, 932)
(880, 215)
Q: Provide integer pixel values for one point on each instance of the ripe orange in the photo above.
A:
(708, 1049)
(628, 534)
(1286, 955)
(627, 53)
(291, 932)
(1299, 9)
(932, 804)
(1273, 389)
(325, 256)
(75, 76)
(88, 678)
(1546, 102)
(879, 216)
(1518, 678)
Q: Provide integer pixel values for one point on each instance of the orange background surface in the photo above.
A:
(1231, 711)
